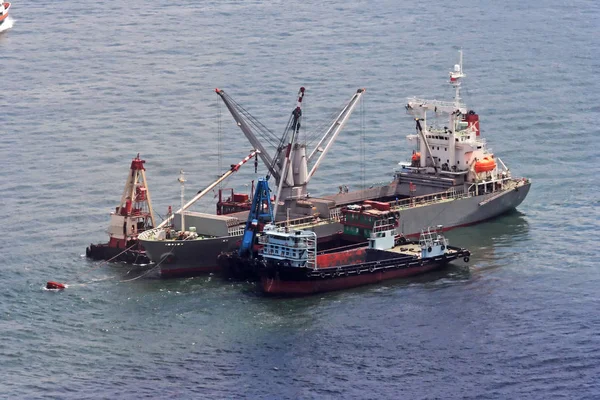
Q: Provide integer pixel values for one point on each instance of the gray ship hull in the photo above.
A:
(186, 258)
(460, 212)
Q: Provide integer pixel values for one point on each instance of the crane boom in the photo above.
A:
(333, 131)
(241, 122)
(294, 128)
(286, 157)
(200, 194)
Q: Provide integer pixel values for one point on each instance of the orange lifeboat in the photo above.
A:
(485, 165)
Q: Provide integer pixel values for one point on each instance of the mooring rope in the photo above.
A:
(105, 262)
(145, 273)
(83, 273)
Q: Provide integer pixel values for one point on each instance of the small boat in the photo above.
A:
(51, 285)
(292, 266)
(4, 12)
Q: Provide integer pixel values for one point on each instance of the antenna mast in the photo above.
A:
(455, 79)
(182, 181)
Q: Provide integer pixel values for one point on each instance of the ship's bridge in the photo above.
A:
(421, 106)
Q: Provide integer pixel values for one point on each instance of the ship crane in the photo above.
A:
(201, 193)
(289, 165)
(424, 139)
(332, 132)
(291, 132)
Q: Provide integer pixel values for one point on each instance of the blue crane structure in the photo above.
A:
(261, 213)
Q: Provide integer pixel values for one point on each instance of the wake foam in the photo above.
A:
(7, 24)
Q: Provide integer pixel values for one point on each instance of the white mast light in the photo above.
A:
(182, 181)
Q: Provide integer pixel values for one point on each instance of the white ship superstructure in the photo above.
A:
(453, 148)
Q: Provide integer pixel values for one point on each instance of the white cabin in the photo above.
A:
(296, 247)
(448, 141)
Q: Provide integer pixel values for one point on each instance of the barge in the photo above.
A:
(291, 265)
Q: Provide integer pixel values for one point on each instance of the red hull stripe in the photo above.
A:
(276, 286)
(341, 258)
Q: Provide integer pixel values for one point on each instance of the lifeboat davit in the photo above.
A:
(485, 165)
(4, 11)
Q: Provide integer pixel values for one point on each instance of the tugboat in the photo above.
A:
(287, 261)
(292, 266)
(131, 217)
(4, 12)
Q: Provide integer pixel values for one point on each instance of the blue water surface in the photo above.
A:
(88, 85)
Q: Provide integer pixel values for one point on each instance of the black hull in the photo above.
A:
(234, 267)
(278, 279)
(104, 252)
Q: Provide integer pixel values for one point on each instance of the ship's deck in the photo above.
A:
(412, 249)
(153, 236)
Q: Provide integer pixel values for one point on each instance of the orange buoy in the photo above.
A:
(485, 165)
(55, 285)
(416, 156)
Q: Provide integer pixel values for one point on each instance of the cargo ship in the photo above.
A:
(451, 179)
(292, 266)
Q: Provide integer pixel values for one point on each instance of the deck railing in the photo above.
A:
(428, 199)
